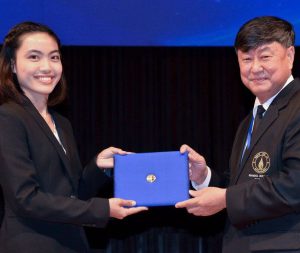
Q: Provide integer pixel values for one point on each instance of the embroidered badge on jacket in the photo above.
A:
(261, 163)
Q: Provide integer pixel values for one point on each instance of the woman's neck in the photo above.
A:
(40, 103)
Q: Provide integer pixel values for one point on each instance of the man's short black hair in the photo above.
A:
(264, 30)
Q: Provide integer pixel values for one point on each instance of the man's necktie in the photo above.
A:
(259, 115)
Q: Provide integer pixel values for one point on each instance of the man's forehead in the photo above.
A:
(261, 48)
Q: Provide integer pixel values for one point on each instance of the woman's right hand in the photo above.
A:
(105, 159)
(121, 208)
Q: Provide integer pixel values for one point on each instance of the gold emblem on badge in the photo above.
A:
(261, 162)
(151, 178)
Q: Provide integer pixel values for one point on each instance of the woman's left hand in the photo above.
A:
(105, 158)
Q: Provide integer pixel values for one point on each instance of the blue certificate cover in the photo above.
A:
(152, 179)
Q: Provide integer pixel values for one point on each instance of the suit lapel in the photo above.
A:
(63, 136)
(45, 128)
(268, 119)
(241, 144)
(239, 147)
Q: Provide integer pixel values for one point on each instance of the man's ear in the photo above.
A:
(291, 55)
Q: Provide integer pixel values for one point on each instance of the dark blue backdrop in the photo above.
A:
(145, 22)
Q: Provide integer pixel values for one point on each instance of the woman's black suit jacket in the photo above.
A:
(48, 195)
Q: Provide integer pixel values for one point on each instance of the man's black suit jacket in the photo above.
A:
(263, 199)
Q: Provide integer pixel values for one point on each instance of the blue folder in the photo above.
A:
(152, 179)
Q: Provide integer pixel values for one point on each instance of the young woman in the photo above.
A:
(48, 196)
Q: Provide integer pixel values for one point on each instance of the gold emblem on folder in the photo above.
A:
(151, 178)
